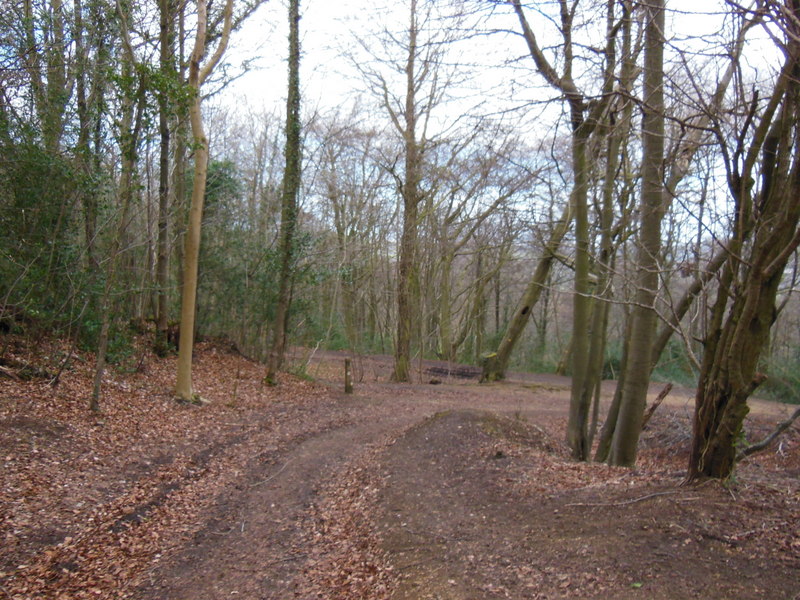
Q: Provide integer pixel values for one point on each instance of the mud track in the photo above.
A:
(462, 505)
(252, 545)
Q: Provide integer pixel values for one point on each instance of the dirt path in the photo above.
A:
(251, 547)
(440, 489)
(469, 514)
(475, 499)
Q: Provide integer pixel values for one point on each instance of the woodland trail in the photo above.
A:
(253, 544)
(440, 489)
(251, 547)
(424, 493)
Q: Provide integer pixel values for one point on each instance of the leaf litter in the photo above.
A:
(465, 492)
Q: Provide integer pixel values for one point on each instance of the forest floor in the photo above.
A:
(438, 489)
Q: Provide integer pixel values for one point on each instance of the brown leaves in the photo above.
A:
(346, 554)
(92, 505)
(88, 502)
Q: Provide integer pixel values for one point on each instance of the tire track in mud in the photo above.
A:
(251, 544)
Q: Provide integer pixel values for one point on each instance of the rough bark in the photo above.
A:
(166, 43)
(580, 399)
(745, 308)
(290, 193)
(407, 292)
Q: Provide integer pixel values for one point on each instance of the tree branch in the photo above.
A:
(764, 444)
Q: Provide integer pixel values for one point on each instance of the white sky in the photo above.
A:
(325, 26)
(329, 28)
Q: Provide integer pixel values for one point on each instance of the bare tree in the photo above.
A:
(680, 161)
(353, 185)
(584, 119)
(198, 73)
(639, 345)
(767, 207)
(408, 74)
(168, 77)
(470, 180)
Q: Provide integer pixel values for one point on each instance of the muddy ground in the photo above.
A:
(438, 489)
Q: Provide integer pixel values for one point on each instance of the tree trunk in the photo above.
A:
(191, 254)
(406, 296)
(479, 310)
(610, 425)
(745, 308)
(197, 75)
(407, 284)
(290, 193)
(637, 368)
(580, 399)
(162, 252)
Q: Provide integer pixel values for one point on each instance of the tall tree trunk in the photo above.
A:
(166, 42)
(605, 268)
(580, 399)
(407, 281)
(291, 191)
(198, 73)
(479, 310)
(615, 128)
(610, 424)
(589, 319)
(637, 368)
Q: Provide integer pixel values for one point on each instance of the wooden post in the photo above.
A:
(348, 379)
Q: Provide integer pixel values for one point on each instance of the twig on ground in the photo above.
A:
(625, 502)
(271, 477)
(9, 373)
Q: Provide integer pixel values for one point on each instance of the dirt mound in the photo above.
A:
(480, 506)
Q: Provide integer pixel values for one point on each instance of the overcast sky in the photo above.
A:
(329, 30)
